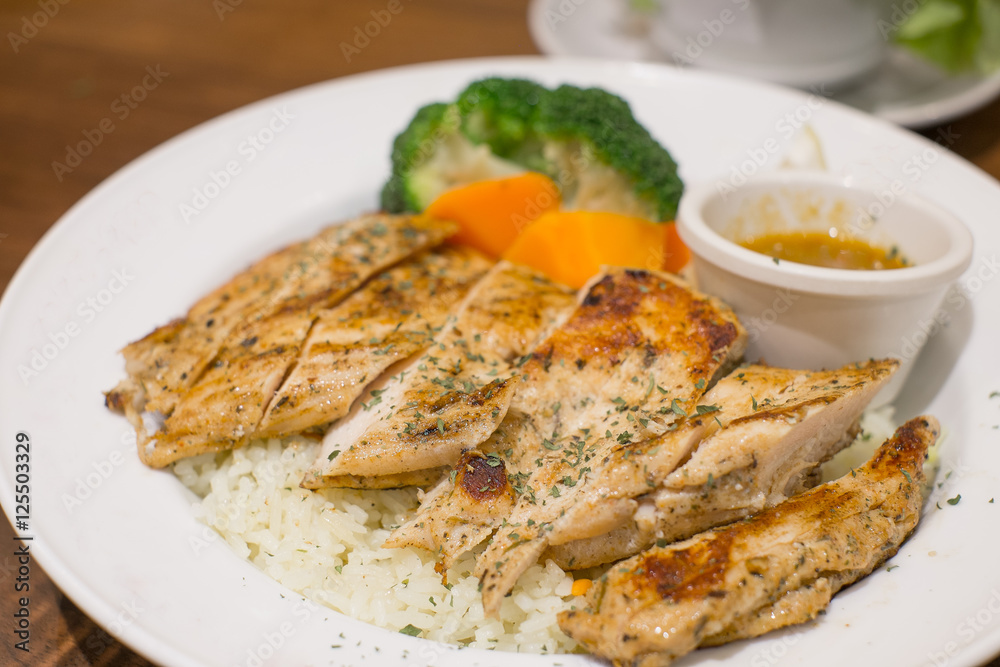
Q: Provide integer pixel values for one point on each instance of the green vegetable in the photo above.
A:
(957, 35)
(501, 114)
(411, 630)
(585, 139)
(432, 155)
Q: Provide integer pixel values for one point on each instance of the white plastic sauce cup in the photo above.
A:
(810, 317)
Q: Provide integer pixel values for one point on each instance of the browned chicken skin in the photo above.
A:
(767, 432)
(203, 383)
(391, 317)
(450, 397)
(777, 568)
(639, 345)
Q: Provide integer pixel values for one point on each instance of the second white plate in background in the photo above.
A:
(904, 90)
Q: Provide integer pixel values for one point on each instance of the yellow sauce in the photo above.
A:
(821, 249)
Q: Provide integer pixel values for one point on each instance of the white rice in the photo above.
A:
(327, 545)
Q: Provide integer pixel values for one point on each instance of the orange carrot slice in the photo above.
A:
(490, 214)
(571, 246)
(581, 586)
(676, 254)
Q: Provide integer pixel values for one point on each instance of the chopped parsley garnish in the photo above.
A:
(411, 630)
(954, 501)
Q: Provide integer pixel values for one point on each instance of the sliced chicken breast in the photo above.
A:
(639, 349)
(774, 569)
(761, 439)
(424, 412)
(249, 331)
(391, 317)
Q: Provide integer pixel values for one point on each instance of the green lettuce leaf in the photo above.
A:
(957, 35)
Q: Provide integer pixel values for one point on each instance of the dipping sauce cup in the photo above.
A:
(811, 317)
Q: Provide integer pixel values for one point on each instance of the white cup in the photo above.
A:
(800, 316)
(801, 43)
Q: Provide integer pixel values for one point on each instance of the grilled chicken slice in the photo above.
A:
(465, 506)
(391, 317)
(777, 568)
(767, 432)
(640, 348)
(225, 408)
(419, 478)
(211, 376)
(422, 413)
(168, 361)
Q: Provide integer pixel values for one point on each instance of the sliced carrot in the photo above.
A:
(571, 246)
(676, 254)
(490, 214)
(581, 586)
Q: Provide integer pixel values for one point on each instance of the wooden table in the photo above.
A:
(61, 79)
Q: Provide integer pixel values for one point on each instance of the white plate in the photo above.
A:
(904, 89)
(126, 552)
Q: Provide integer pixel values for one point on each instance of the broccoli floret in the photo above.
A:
(502, 113)
(606, 160)
(432, 155)
(586, 139)
(411, 148)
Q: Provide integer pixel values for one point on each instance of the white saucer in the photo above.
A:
(904, 90)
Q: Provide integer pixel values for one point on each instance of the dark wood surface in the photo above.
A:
(61, 80)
